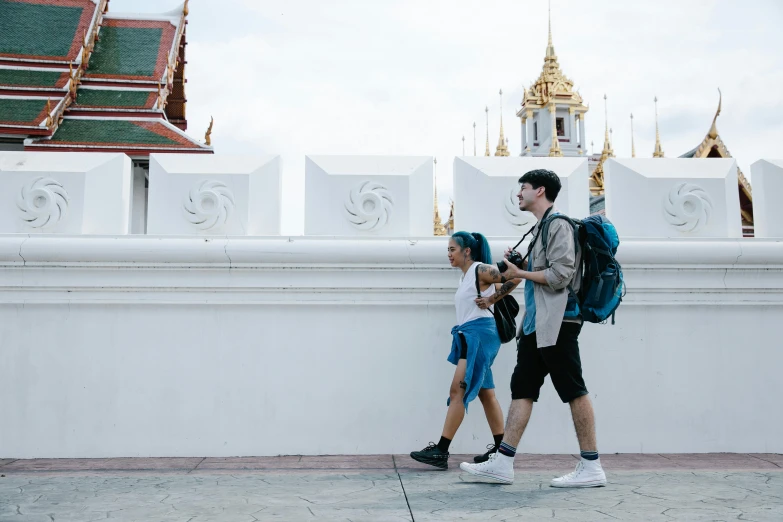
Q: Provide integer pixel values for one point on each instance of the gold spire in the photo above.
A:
(658, 152)
(437, 226)
(714, 129)
(208, 135)
(550, 49)
(633, 148)
(185, 10)
(597, 187)
(474, 138)
(502, 148)
(486, 149)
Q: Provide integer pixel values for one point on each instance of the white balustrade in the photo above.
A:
(64, 193)
(196, 194)
(485, 192)
(387, 196)
(673, 197)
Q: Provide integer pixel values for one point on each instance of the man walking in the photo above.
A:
(549, 341)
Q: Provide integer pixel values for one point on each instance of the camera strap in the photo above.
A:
(535, 238)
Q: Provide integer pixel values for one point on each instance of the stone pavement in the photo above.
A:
(385, 487)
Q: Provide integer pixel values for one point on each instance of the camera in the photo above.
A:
(515, 258)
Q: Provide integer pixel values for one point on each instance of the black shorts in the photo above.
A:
(560, 361)
(463, 351)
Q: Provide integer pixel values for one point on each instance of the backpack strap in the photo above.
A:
(545, 240)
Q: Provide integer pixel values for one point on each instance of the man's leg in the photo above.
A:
(565, 367)
(584, 422)
(518, 417)
(526, 382)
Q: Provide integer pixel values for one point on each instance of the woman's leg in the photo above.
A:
(456, 411)
(492, 410)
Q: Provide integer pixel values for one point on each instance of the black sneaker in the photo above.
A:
(491, 448)
(433, 456)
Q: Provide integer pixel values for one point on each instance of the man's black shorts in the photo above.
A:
(560, 361)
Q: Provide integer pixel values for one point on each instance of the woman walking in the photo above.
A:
(475, 343)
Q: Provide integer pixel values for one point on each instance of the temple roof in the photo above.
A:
(115, 99)
(712, 146)
(20, 80)
(133, 137)
(134, 50)
(46, 30)
(116, 96)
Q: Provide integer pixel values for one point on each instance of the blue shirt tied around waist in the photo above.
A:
(481, 336)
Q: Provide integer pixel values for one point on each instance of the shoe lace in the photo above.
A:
(579, 467)
(431, 446)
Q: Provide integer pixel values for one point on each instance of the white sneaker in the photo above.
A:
(588, 474)
(498, 468)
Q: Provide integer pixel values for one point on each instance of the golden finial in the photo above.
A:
(486, 150)
(502, 148)
(550, 49)
(658, 152)
(185, 10)
(474, 138)
(437, 226)
(714, 129)
(633, 148)
(208, 135)
(49, 121)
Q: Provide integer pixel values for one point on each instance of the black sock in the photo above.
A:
(589, 455)
(498, 440)
(443, 444)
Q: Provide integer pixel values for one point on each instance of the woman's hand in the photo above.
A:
(484, 302)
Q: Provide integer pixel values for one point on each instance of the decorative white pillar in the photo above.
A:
(531, 135)
(582, 131)
(571, 127)
(767, 191)
(524, 135)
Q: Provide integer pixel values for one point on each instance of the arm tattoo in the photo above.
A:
(506, 289)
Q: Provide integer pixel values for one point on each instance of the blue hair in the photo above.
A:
(479, 248)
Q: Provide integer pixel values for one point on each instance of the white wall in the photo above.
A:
(150, 346)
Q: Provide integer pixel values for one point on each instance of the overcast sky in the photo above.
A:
(410, 77)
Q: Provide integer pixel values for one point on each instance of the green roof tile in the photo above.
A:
(36, 29)
(29, 78)
(105, 98)
(126, 51)
(21, 111)
(107, 131)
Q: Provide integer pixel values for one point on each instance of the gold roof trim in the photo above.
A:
(713, 141)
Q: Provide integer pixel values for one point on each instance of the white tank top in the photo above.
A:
(464, 299)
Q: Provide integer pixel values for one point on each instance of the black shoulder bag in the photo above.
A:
(505, 313)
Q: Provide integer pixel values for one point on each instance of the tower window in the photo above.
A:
(560, 126)
(535, 131)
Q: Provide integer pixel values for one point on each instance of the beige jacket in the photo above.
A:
(551, 299)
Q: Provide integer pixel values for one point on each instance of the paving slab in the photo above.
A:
(385, 487)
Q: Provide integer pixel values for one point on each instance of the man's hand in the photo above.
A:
(484, 302)
(512, 272)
